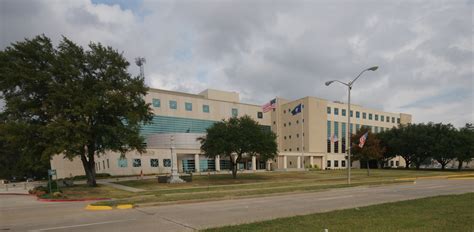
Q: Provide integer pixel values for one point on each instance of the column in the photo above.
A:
(284, 162)
(298, 162)
(269, 167)
(254, 163)
(196, 163)
(218, 163)
(311, 161)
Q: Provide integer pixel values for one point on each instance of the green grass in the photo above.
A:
(102, 191)
(444, 213)
(223, 186)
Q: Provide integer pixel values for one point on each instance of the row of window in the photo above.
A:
(297, 149)
(333, 137)
(136, 163)
(336, 163)
(375, 117)
(188, 106)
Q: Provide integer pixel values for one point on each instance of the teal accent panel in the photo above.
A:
(166, 124)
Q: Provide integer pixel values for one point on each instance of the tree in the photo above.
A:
(80, 103)
(372, 149)
(236, 137)
(464, 145)
(443, 147)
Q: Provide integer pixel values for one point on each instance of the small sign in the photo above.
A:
(52, 172)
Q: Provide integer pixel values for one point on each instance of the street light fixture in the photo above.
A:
(349, 87)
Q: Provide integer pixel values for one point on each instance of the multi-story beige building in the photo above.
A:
(304, 139)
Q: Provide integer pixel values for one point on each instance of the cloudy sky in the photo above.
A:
(264, 48)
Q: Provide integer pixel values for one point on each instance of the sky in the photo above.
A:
(264, 49)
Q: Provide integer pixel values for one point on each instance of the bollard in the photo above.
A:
(6, 187)
(326, 230)
(25, 186)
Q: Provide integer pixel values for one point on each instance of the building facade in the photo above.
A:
(314, 137)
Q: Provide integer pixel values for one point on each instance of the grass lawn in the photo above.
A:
(223, 186)
(443, 213)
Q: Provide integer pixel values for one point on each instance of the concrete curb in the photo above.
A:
(15, 194)
(72, 200)
(104, 207)
(438, 177)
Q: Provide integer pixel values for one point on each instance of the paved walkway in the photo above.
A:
(121, 187)
(195, 216)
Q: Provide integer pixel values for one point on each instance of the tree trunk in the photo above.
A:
(89, 167)
(234, 167)
(368, 168)
(417, 165)
(459, 165)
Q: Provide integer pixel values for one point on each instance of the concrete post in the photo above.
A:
(174, 178)
(311, 161)
(254, 163)
(196, 163)
(298, 162)
(284, 162)
(218, 163)
(269, 167)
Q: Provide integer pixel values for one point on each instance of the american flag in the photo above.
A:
(269, 106)
(362, 139)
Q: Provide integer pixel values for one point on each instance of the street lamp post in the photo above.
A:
(349, 87)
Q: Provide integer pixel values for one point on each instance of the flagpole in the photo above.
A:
(349, 135)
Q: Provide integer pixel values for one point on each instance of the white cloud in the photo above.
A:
(264, 49)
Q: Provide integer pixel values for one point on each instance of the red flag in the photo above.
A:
(362, 139)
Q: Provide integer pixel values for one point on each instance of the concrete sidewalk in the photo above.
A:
(122, 187)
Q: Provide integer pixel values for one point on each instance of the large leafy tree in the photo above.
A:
(372, 149)
(238, 137)
(79, 103)
(464, 145)
(444, 146)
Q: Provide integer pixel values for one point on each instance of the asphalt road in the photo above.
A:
(24, 213)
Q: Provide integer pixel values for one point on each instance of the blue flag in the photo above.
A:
(297, 109)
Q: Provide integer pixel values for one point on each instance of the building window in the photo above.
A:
(259, 115)
(352, 113)
(336, 137)
(173, 105)
(156, 102)
(376, 117)
(397, 163)
(393, 120)
(289, 124)
(284, 124)
(357, 114)
(328, 109)
(364, 115)
(297, 121)
(398, 120)
(274, 122)
(167, 163)
(357, 127)
(329, 163)
(297, 135)
(137, 163)
(289, 137)
(343, 163)
(284, 137)
(290, 150)
(284, 111)
(370, 116)
(388, 118)
(336, 163)
(391, 163)
(329, 136)
(336, 111)
(154, 163)
(188, 106)
(343, 141)
(235, 112)
(205, 108)
(382, 118)
(343, 112)
(122, 163)
(376, 129)
(108, 164)
(298, 148)
(103, 163)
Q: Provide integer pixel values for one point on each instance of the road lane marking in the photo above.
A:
(81, 225)
(436, 186)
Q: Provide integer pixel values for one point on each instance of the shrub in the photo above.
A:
(57, 194)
